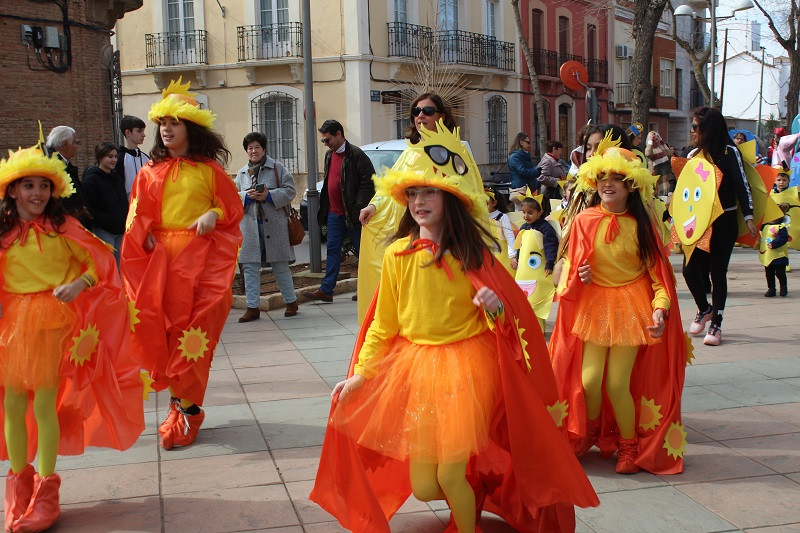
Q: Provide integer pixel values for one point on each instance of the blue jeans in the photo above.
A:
(110, 238)
(252, 282)
(337, 229)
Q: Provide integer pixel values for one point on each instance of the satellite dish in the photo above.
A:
(573, 75)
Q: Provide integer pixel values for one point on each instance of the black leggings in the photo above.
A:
(724, 232)
(772, 270)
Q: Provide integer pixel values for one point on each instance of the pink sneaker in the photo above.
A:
(699, 323)
(714, 335)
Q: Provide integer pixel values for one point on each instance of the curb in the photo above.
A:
(268, 302)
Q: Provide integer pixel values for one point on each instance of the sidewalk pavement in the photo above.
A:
(255, 459)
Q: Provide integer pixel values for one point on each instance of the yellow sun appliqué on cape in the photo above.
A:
(193, 344)
(675, 440)
(84, 345)
(523, 343)
(147, 384)
(649, 415)
(689, 348)
(558, 411)
(131, 214)
(133, 315)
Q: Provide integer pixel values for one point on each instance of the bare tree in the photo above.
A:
(697, 56)
(534, 79)
(791, 44)
(646, 15)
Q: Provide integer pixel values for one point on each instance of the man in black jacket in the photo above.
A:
(346, 190)
(64, 141)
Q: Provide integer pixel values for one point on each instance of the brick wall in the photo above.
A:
(78, 98)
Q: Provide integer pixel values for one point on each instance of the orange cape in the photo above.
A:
(193, 291)
(657, 377)
(529, 472)
(99, 403)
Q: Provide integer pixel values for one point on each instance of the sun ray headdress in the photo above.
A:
(33, 161)
(177, 102)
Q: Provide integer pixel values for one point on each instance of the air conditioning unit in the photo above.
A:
(623, 51)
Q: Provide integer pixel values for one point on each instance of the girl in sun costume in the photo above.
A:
(445, 399)
(179, 256)
(65, 375)
(618, 350)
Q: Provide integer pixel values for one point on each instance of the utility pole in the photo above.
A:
(713, 6)
(724, 62)
(312, 196)
(760, 95)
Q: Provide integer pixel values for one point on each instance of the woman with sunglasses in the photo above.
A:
(710, 136)
(520, 164)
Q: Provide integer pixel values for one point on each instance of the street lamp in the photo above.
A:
(693, 9)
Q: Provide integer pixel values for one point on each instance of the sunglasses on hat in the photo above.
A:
(428, 111)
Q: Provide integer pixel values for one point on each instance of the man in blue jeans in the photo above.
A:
(346, 190)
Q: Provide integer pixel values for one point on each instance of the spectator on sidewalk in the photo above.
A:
(105, 197)
(346, 190)
(64, 141)
(520, 164)
(129, 157)
(552, 172)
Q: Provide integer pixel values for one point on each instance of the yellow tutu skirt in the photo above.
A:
(35, 330)
(616, 316)
(174, 240)
(427, 403)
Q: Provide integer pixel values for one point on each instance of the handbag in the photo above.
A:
(295, 226)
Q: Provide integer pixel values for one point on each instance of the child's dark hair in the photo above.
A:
(129, 123)
(9, 216)
(500, 199)
(103, 149)
(462, 236)
(203, 144)
(533, 203)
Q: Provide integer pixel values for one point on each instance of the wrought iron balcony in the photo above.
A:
(598, 70)
(623, 95)
(450, 46)
(176, 48)
(545, 62)
(271, 41)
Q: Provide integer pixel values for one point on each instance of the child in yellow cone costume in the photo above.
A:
(63, 340)
(179, 255)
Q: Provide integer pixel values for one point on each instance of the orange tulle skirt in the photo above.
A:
(427, 403)
(616, 316)
(174, 240)
(35, 330)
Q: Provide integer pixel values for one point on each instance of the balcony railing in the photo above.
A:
(623, 95)
(176, 48)
(271, 41)
(548, 63)
(598, 70)
(545, 62)
(450, 46)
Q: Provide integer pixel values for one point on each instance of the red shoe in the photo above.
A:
(172, 418)
(19, 489)
(43, 511)
(626, 455)
(184, 431)
(590, 439)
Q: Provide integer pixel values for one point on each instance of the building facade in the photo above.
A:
(245, 59)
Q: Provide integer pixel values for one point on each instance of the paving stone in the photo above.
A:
(780, 453)
(218, 473)
(128, 515)
(117, 482)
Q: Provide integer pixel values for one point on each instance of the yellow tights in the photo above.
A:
(431, 481)
(16, 430)
(185, 404)
(620, 361)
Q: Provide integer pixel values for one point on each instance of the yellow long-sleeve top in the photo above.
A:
(190, 190)
(419, 303)
(617, 263)
(26, 269)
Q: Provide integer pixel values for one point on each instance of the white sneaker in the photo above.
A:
(699, 323)
(714, 336)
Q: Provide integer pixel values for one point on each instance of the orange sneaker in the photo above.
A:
(43, 511)
(19, 489)
(171, 419)
(590, 439)
(626, 455)
(184, 431)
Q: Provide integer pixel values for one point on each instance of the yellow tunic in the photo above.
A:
(189, 192)
(28, 270)
(617, 263)
(419, 303)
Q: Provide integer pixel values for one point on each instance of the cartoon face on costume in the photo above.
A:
(693, 200)
(530, 276)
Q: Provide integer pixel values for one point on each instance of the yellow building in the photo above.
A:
(245, 59)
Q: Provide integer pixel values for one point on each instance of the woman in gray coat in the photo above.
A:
(265, 220)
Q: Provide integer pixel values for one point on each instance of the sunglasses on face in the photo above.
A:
(426, 193)
(695, 126)
(441, 156)
(428, 111)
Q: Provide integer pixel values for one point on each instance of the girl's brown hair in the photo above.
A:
(9, 216)
(103, 149)
(411, 132)
(462, 236)
(203, 144)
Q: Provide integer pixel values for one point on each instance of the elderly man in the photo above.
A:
(64, 141)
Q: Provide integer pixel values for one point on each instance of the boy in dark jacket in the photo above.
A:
(773, 253)
(534, 219)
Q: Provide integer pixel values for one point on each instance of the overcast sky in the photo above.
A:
(736, 33)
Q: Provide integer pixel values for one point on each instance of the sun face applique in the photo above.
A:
(131, 214)
(523, 344)
(193, 344)
(84, 345)
(689, 348)
(133, 315)
(558, 411)
(147, 384)
(649, 415)
(675, 440)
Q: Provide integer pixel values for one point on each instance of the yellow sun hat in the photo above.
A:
(28, 162)
(438, 160)
(177, 102)
(610, 157)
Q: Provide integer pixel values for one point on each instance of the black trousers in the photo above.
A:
(772, 271)
(724, 232)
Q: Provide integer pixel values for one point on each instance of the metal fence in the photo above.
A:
(270, 41)
(176, 48)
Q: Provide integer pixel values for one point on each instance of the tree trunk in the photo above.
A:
(534, 79)
(645, 22)
(794, 88)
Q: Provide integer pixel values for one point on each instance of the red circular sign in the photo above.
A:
(573, 75)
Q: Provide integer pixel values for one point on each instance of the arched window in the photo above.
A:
(275, 115)
(496, 126)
